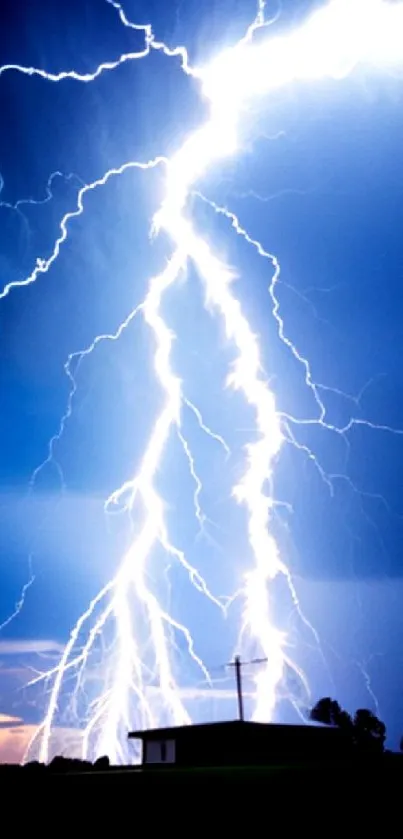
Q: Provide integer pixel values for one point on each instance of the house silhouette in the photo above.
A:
(240, 743)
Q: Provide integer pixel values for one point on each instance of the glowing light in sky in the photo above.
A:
(332, 41)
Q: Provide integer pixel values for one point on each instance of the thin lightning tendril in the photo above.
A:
(71, 177)
(20, 602)
(330, 44)
(42, 265)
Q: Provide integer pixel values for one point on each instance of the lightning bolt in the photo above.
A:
(331, 43)
(43, 265)
(21, 600)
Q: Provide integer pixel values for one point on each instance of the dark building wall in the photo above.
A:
(257, 746)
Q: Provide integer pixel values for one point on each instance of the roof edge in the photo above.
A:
(172, 730)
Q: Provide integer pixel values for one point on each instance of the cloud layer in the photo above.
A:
(34, 646)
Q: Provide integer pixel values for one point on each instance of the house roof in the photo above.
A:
(225, 725)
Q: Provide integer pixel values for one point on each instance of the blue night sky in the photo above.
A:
(319, 181)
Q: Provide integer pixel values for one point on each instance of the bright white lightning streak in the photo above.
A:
(127, 677)
(272, 259)
(247, 377)
(331, 43)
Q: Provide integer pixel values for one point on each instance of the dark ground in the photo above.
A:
(278, 800)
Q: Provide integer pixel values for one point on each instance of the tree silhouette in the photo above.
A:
(102, 763)
(369, 732)
(329, 712)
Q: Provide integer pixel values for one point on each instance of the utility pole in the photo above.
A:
(238, 664)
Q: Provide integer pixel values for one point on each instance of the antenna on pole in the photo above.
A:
(238, 664)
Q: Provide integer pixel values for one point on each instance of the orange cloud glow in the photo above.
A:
(15, 737)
